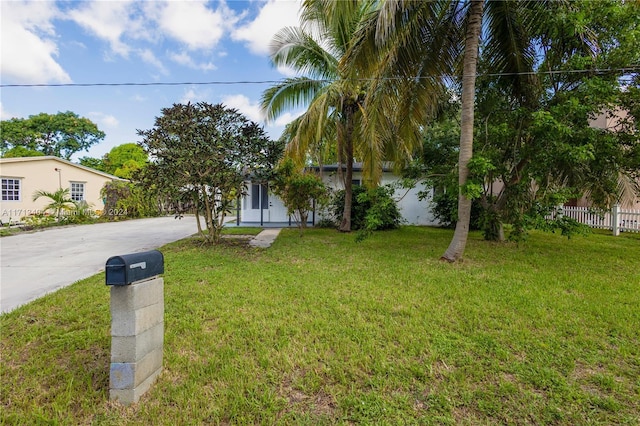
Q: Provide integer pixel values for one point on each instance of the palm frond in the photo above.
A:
(290, 94)
(310, 127)
(508, 48)
(296, 48)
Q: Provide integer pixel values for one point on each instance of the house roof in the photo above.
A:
(60, 160)
(357, 167)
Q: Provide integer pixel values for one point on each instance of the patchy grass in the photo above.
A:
(6, 231)
(319, 329)
(241, 230)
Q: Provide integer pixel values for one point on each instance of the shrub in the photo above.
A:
(297, 189)
(39, 220)
(127, 200)
(371, 210)
(81, 213)
(445, 209)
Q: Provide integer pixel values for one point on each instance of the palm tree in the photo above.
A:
(60, 200)
(334, 102)
(422, 44)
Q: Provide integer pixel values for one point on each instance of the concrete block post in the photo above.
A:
(137, 338)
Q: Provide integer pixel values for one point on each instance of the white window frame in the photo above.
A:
(77, 195)
(11, 189)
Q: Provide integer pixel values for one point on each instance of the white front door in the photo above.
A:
(256, 207)
(277, 210)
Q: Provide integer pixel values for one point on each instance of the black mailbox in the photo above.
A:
(128, 268)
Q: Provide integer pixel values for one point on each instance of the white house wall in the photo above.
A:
(413, 210)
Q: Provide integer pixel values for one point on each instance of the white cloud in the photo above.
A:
(243, 104)
(192, 22)
(4, 114)
(288, 71)
(183, 58)
(104, 120)
(149, 57)
(287, 118)
(108, 20)
(29, 57)
(191, 95)
(273, 16)
(138, 98)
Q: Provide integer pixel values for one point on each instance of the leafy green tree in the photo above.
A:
(204, 153)
(21, 151)
(124, 160)
(298, 190)
(537, 152)
(60, 200)
(61, 135)
(94, 163)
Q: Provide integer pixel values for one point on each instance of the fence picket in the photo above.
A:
(627, 220)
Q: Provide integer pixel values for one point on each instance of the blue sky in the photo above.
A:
(119, 41)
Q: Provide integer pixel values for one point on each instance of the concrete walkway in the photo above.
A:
(265, 238)
(34, 264)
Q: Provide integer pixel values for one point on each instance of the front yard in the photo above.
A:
(320, 329)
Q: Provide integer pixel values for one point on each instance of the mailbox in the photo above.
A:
(128, 268)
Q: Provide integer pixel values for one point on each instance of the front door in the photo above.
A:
(256, 208)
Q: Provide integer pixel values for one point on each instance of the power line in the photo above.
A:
(184, 83)
(239, 82)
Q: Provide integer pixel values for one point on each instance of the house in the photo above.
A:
(261, 207)
(630, 198)
(23, 176)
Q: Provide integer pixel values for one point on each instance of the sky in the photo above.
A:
(122, 41)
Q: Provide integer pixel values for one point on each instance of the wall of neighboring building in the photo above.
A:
(608, 120)
(612, 121)
(41, 174)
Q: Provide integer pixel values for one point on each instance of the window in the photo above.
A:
(10, 189)
(77, 191)
(257, 195)
(356, 182)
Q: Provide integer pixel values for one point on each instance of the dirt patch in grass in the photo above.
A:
(318, 404)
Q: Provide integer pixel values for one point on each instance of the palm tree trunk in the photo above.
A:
(345, 225)
(472, 39)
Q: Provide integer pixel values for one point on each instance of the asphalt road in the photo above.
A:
(38, 263)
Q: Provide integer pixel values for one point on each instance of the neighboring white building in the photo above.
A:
(260, 206)
(23, 176)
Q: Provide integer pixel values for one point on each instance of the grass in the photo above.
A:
(6, 231)
(322, 330)
(241, 230)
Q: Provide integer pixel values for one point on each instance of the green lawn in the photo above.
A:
(320, 329)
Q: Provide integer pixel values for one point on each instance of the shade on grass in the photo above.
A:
(320, 329)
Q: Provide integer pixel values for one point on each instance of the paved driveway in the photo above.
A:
(35, 264)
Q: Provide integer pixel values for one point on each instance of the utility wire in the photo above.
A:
(221, 83)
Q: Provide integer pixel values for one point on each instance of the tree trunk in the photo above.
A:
(210, 236)
(472, 38)
(345, 225)
(195, 200)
